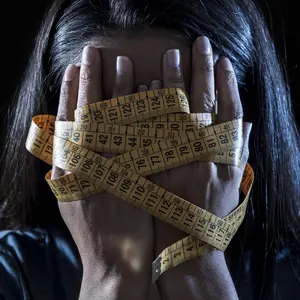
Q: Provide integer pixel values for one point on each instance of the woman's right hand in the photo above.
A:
(116, 252)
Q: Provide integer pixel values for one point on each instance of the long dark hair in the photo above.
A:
(236, 29)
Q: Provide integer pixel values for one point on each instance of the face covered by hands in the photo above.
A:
(116, 237)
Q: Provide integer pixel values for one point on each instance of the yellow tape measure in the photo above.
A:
(135, 107)
(117, 138)
(162, 141)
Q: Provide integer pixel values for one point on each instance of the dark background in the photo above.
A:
(23, 19)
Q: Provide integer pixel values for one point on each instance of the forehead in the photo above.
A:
(146, 50)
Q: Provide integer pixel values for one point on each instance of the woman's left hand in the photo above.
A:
(211, 186)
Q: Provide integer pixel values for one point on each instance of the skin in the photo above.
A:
(116, 253)
(146, 50)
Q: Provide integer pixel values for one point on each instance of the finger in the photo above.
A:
(90, 81)
(156, 85)
(246, 136)
(229, 103)
(67, 103)
(202, 83)
(172, 72)
(142, 88)
(68, 94)
(124, 77)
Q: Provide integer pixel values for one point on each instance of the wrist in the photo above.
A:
(211, 263)
(98, 284)
(206, 277)
(103, 279)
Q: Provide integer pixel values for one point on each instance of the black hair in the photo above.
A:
(236, 29)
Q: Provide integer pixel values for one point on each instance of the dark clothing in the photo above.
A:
(39, 264)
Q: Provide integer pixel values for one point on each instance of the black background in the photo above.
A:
(23, 19)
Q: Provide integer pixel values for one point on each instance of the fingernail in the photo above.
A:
(156, 82)
(122, 64)
(142, 88)
(203, 45)
(89, 55)
(173, 57)
(70, 73)
(226, 64)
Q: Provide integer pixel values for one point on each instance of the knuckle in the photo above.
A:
(122, 83)
(231, 79)
(61, 118)
(210, 168)
(207, 67)
(232, 173)
(208, 171)
(175, 79)
(86, 75)
(245, 155)
(229, 174)
(232, 106)
(62, 109)
(237, 109)
(208, 101)
(64, 91)
(62, 114)
(122, 90)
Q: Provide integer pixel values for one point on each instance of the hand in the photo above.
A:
(212, 186)
(114, 239)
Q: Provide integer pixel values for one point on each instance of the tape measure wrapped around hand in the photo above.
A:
(151, 131)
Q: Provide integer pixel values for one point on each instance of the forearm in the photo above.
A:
(114, 283)
(98, 282)
(206, 277)
(116, 265)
